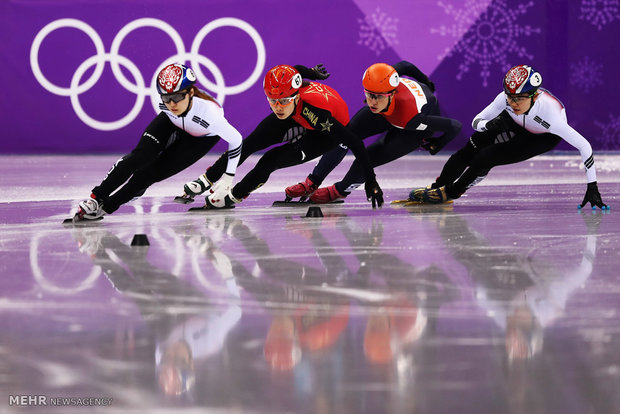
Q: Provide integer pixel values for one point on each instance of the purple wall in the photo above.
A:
(464, 45)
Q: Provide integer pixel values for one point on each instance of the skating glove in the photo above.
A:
(320, 73)
(316, 73)
(374, 192)
(593, 197)
(502, 122)
(221, 188)
(434, 145)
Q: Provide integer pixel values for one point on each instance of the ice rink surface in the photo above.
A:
(507, 301)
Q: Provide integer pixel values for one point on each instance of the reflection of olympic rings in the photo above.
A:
(139, 87)
(48, 285)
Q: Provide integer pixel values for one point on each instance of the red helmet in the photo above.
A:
(282, 81)
(380, 78)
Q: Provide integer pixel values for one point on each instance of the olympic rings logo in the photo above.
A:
(220, 89)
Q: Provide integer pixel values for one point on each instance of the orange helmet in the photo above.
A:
(378, 340)
(281, 349)
(380, 78)
(281, 81)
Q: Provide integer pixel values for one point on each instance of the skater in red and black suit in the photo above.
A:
(406, 111)
(308, 117)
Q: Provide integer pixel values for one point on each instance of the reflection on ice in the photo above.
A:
(259, 309)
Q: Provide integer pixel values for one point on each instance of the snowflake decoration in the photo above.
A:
(599, 12)
(487, 34)
(586, 74)
(610, 137)
(378, 31)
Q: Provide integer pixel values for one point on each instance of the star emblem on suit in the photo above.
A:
(326, 125)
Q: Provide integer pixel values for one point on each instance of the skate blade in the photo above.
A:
(293, 203)
(207, 208)
(408, 202)
(76, 220)
(183, 199)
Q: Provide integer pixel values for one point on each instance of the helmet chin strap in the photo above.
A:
(189, 106)
(531, 102)
(295, 102)
(388, 104)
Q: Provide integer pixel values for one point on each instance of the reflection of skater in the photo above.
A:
(317, 320)
(190, 123)
(182, 340)
(523, 121)
(399, 322)
(524, 295)
(405, 111)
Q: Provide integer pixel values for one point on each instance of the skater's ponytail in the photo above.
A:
(202, 94)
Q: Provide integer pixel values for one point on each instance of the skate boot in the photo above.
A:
(89, 209)
(417, 194)
(435, 195)
(326, 195)
(228, 201)
(194, 188)
(302, 190)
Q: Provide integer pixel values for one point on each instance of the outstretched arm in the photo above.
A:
(578, 141)
(373, 191)
(409, 69)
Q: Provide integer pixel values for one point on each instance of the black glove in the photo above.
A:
(501, 122)
(374, 192)
(320, 73)
(593, 197)
(434, 145)
(316, 73)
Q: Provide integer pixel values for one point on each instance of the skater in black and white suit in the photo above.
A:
(524, 120)
(190, 123)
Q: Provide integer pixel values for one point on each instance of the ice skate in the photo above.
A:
(194, 188)
(435, 196)
(327, 195)
(417, 194)
(303, 190)
(424, 195)
(88, 210)
(227, 202)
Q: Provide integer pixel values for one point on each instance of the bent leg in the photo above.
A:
(394, 145)
(327, 163)
(460, 160)
(154, 140)
(174, 159)
(312, 145)
(520, 148)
